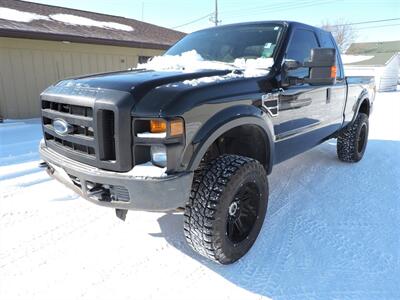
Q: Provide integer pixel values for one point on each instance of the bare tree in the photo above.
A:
(342, 31)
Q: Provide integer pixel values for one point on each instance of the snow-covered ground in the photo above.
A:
(332, 232)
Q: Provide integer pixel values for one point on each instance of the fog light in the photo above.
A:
(159, 155)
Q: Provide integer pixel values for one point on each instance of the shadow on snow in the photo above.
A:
(331, 229)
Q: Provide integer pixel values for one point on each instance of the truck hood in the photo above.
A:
(137, 82)
(167, 93)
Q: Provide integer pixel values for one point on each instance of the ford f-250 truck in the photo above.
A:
(201, 127)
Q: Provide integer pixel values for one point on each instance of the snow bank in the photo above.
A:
(82, 21)
(20, 16)
(192, 61)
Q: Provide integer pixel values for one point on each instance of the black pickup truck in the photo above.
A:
(201, 127)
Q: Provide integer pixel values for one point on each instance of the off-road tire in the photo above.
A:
(352, 140)
(215, 188)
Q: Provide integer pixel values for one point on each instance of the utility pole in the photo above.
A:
(216, 12)
(214, 18)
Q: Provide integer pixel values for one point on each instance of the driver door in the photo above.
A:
(302, 107)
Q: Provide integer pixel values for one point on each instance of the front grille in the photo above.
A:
(68, 108)
(94, 125)
(80, 138)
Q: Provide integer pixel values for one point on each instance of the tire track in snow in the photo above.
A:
(45, 239)
(360, 255)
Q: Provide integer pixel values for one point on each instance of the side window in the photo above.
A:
(327, 41)
(300, 48)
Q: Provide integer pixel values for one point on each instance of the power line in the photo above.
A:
(366, 22)
(288, 6)
(276, 7)
(379, 26)
(256, 8)
(194, 21)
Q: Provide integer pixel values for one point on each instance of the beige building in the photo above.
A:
(41, 44)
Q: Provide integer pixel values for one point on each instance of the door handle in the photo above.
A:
(328, 95)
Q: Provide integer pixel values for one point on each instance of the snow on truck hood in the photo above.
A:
(188, 69)
(192, 61)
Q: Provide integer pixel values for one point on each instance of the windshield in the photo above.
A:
(226, 44)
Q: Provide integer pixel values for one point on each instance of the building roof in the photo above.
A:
(374, 47)
(372, 54)
(375, 59)
(23, 19)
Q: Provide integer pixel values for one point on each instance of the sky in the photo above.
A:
(175, 13)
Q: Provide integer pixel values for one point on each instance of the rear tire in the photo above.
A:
(227, 207)
(352, 140)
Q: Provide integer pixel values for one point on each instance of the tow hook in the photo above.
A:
(121, 213)
(43, 164)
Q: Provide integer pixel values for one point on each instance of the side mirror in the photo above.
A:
(292, 65)
(322, 66)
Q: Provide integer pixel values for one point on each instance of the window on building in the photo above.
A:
(144, 59)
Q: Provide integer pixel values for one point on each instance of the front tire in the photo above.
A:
(352, 140)
(227, 207)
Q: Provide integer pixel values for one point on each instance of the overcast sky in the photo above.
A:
(173, 13)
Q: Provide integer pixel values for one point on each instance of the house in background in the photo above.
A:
(41, 44)
(379, 59)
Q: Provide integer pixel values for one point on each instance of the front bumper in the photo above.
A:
(148, 194)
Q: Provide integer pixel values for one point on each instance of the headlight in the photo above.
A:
(175, 127)
(159, 155)
(156, 139)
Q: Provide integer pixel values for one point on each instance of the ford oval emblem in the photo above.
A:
(61, 127)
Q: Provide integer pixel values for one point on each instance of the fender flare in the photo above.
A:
(363, 96)
(226, 120)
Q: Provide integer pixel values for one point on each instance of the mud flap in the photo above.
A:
(121, 213)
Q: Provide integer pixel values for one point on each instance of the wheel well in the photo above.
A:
(364, 108)
(245, 140)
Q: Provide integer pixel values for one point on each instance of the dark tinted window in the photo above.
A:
(226, 44)
(326, 40)
(300, 49)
